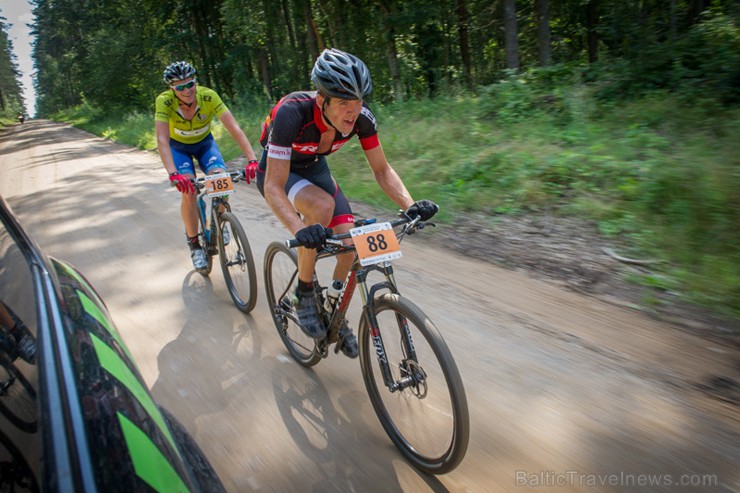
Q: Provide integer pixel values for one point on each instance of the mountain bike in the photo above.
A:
(409, 373)
(221, 233)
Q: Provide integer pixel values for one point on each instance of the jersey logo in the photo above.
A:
(306, 148)
(369, 115)
(278, 152)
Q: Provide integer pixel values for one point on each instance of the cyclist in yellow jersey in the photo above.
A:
(183, 116)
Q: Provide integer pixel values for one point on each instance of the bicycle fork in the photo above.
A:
(411, 373)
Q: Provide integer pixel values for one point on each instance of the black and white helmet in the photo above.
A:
(341, 75)
(178, 71)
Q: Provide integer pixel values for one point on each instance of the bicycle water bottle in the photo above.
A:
(332, 295)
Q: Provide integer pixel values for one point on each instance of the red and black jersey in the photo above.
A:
(292, 130)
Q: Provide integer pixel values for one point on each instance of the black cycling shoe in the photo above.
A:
(27, 348)
(307, 311)
(347, 342)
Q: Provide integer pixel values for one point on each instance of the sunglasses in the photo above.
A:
(182, 87)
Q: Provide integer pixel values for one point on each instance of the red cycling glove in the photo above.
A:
(183, 183)
(250, 171)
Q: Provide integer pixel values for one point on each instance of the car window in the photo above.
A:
(20, 437)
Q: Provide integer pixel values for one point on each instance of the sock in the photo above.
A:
(193, 242)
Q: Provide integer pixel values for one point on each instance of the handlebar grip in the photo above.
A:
(292, 243)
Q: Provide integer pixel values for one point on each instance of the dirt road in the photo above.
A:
(566, 393)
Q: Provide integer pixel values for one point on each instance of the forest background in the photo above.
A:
(622, 113)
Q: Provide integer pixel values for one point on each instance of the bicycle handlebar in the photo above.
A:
(200, 182)
(335, 240)
(236, 176)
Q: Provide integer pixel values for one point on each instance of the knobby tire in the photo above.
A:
(237, 264)
(455, 422)
(281, 263)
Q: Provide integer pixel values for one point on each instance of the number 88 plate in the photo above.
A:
(375, 243)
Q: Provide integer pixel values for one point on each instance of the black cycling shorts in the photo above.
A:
(318, 174)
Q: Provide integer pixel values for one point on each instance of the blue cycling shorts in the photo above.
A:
(205, 152)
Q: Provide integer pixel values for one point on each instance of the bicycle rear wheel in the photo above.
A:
(426, 416)
(281, 277)
(237, 263)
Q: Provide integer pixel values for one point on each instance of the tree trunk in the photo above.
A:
(511, 42)
(543, 31)
(289, 24)
(463, 20)
(387, 9)
(592, 19)
(264, 68)
(315, 43)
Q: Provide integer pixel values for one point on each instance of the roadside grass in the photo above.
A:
(659, 172)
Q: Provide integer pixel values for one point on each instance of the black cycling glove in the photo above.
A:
(313, 236)
(425, 209)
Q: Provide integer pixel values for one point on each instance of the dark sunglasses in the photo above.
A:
(182, 87)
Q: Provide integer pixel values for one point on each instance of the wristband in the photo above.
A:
(252, 161)
(174, 173)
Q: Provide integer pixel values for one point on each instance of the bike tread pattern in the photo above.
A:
(244, 301)
(460, 433)
(285, 322)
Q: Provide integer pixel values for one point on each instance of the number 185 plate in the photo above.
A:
(220, 184)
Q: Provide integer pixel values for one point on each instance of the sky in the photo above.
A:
(18, 14)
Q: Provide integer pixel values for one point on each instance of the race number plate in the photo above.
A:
(375, 243)
(219, 185)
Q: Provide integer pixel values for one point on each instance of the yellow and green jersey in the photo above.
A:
(209, 105)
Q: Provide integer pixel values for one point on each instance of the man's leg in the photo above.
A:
(316, 206)
(189, 212)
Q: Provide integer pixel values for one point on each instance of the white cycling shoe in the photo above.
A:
(199, 258)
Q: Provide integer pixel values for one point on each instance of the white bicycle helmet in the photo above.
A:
(341, 75)
(178, 71)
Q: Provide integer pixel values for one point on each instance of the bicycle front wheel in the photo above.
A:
(422, 407)
(237, 263)
(281, 277)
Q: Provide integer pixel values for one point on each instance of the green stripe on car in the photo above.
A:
(149, 463)
(94, 311)
(118, 368)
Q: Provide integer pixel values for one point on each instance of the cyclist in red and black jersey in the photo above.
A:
(293, 175)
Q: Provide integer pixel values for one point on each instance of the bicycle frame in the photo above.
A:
(208, 214)
(358, 277)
